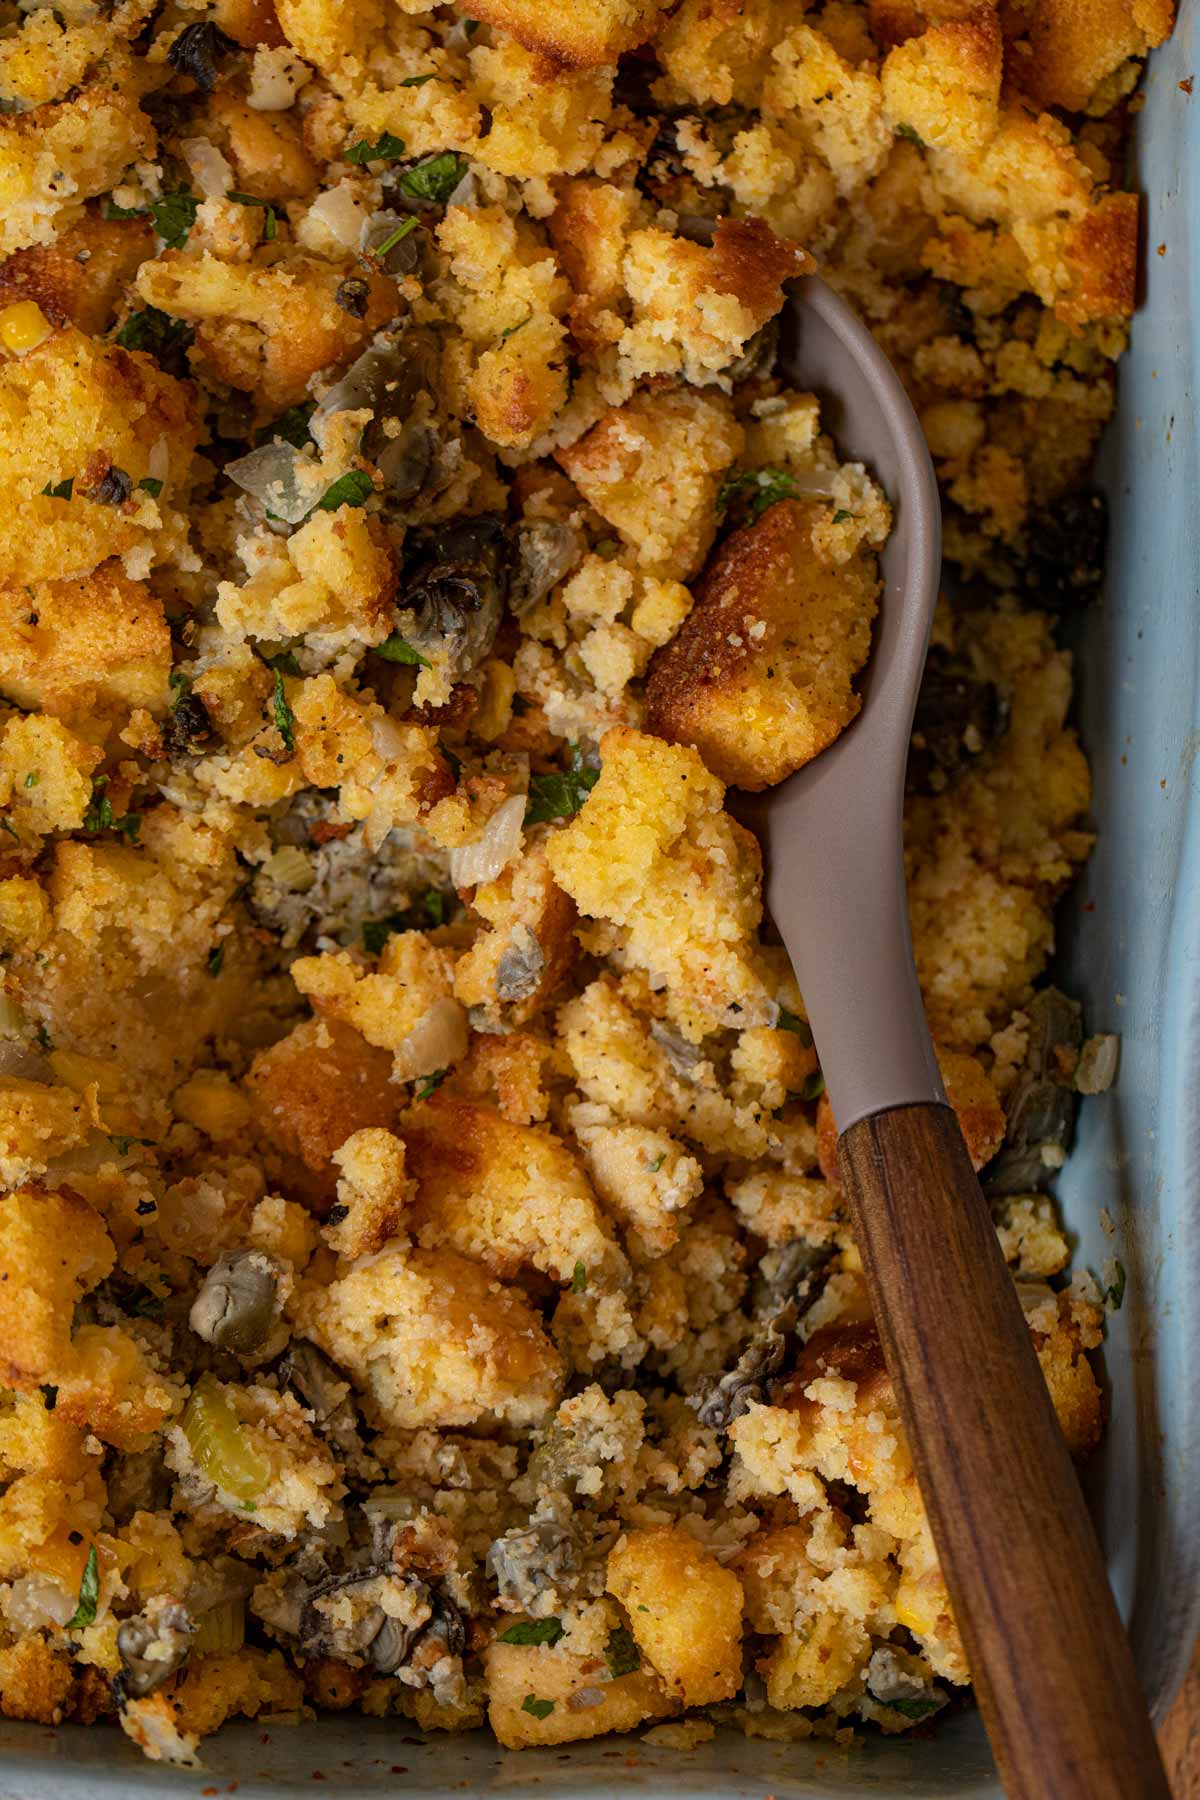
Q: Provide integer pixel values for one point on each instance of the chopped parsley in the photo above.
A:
(533, 1631)
(113, 211)
(215, 959)
(44, 1040)
(579, 1278)
(123, 1145)
(32, 779)
(541, 1709)
(397, 649)
(285, 662)
(430, 1084)
(841, 515)
(416, 80)
(350, 489)
(394, 237)
(268, 230)
(658, 1162)
(89, 1594)
(434, 178)
(911, 133)
(814, 1086)
(7, 825)
(913, 1709)
(757, 489)
(790, 1021)
(621, 1653)
(62, 491)
(425, 914)
(100, 817)
(174, 215)
(561, 793)
(1114, 1293)
(292, 425)
(159, 335)
(513, 329)
(150, 484)
(387, 148)
(285, 718)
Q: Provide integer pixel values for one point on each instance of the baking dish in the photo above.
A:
(1130, 948)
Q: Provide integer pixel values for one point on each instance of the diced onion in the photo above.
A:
(436, 1041)
(341, 215)
(494, 849)
(290, 868)
(222, 1627)
(276, 77)
(210, 171)
(1098, 1061)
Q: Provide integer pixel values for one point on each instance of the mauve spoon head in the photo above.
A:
(831, 834)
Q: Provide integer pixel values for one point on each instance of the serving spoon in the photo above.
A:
(1049, 1659)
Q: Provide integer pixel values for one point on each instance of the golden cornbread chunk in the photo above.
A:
(587, 35)
(653, 852)
(63, 151)
(96, 645)
(434, 1339)
(684, 1609)
(80, 278)
(652, 468)
(551, 1679)
(759, 678)
(71, 410)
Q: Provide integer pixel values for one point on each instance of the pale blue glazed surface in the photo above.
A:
(1130, 943)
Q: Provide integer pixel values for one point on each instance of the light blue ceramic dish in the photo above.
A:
(1131, 951)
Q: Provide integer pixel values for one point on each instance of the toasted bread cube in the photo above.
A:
(531, 1687)
(60, 764)
(37, 1124)
(58, 405)
(53, 1250)
(57, 154)
(267, 330)
(510, 1195)
(696, 305)
(945, 83)
(685, 1611)
(644, 1179)
(586, 34)
(1076, 48)
(75, 648)
(80, 278)
(589, 228)
(312, 1090)
(760, 675)
(35, 1681)
(652, 468)
(109, 1385)
(653, 851)
(807, 1668)
(433, 1339)
(374, 1193)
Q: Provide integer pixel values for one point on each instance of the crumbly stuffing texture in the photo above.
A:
(425, 1285)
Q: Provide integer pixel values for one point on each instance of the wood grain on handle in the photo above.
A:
(1049, 1658)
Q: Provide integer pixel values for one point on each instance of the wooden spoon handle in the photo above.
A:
(1049, 1658)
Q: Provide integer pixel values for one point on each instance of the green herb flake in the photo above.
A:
(814, 1086)
(285, 663)
(215, 959)
(579, 1278)
(394, 237)
(541, 1709)
(350, 489)
(790, 1021)
(129, 826)
(430, 1084)
(911, 133)
(561, 793)
(426, 913)
(44, 1040)
(113, 211)
(1114, 1293)
(89, 1594)
(285, 718)
(435, 177)
(760, 488)
(149, 484)
(397, 649)
(913, 1709)
(513, 329)
(621, 1653)
(292, 425)
(416, 80)
(387, 148)
(268, 230)
(122, 1146)
(174, 215)
(658, 1162)
(32, 779)
(533, 1631)
(841, 515)
(61, 491)
(157, 333)
(7, 825)
(99, 815)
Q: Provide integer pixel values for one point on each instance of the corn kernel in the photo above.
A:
(23, 327)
